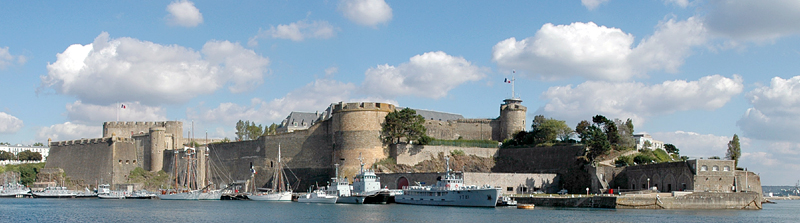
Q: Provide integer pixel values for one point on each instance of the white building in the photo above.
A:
(640, 140)
(16, 149)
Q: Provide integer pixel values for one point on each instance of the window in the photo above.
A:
(715, 168)
(120, 161)
(703, 168)
(726, 168)
(510, 189)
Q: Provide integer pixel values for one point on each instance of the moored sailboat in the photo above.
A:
(280, 190)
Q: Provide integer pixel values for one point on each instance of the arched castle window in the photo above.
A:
(726, 168)
(703, 168)
(715, 168)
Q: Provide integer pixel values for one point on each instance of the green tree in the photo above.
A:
(27, 155)
(671, 148)
(547, 130)
(5, 143)
(582, 129)
(241, 130)
(625, 131)
(4, 155)
(403, 125)
(38, 144)
(597, 142)
(734, 150)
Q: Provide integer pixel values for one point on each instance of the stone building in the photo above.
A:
(123, 147)
(702, 175)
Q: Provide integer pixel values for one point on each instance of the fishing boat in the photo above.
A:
(318, 196)
(450, 191)
(280, 190)
(140, 194)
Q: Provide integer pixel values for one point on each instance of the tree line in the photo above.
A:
(26, 155)
(247, 130)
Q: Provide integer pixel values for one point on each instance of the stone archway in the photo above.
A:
(402, 182)
(669, 183)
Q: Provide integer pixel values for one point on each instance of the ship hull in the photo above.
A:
(464, 198)
(282, 196)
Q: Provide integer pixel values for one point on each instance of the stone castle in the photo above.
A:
(342, 134)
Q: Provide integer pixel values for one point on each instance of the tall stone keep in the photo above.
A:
(158, 144)
(512, 117)
(356, 131)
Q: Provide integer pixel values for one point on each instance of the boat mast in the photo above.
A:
(362, 163)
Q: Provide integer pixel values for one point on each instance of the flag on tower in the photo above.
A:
(506, 81)
(123, 106)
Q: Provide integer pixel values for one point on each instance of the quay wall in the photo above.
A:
(695, 200)
(581, 201)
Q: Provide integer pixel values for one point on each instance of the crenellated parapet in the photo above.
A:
(363, 106)
(105, 140)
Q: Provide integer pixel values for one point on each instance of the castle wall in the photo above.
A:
(468, 129)
(518, 183)
(86, 161)
(413, 154)
(667, 177)
(307, 153)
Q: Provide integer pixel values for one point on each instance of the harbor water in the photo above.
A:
(96, 210)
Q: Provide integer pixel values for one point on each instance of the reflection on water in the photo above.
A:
(95, 210)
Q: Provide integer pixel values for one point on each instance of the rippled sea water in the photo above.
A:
(96, 210)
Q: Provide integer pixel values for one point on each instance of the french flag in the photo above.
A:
(123, 106)
(507, 81)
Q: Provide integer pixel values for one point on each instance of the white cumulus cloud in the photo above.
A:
(79, 112)
(592, 4)
(128, 69)
(637, 100)
(9, 123)
(366, 12)
(599, 52)
(431, 75)
(184, 13)
(68, 131)
(774, 112)
(753, 20)
(296, 31)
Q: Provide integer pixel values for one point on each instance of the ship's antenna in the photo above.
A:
(362, 162)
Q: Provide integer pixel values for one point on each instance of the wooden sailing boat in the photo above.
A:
(191, 192)
(280, 190)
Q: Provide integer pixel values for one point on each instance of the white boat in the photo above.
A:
(141, 194)
(179, 195)
(54, 192)
(280, 190)
(450, 191)
(318, 196)
(104, 192)
(14, 190)
(367, 189)
(338, 187)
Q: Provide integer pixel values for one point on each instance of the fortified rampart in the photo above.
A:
(511, 183)
(357, 133)
(407, 154)
(86, 161)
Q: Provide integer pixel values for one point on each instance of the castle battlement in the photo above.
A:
(90, 141)
(139, 124)
(483, 121)
(363, 106)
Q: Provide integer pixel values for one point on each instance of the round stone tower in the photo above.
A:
(157, 146)
(356, 131)
(512, 118)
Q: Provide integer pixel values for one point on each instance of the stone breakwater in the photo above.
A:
(687, 200)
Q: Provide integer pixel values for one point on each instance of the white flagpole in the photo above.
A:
(118, 111)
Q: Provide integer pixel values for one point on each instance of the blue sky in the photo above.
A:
(690, 73)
